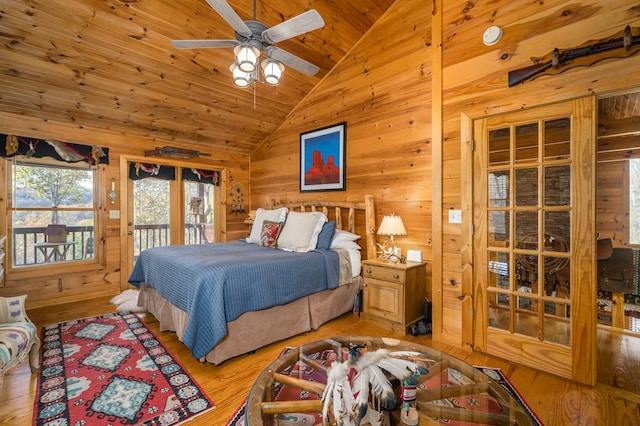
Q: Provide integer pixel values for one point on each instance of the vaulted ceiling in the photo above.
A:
(110, 64)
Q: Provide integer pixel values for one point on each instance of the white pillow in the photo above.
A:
(346, 245)
(301, 231)
(341, 236)
(276, 215)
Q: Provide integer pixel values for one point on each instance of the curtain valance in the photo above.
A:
(138, 171)
(11, 146)
(201, 176)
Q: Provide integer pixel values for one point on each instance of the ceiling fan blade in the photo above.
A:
(230, 15)
(291, 60)
(203, 44)
(303, 23)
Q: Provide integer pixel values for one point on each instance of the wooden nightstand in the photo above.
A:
(394, 293)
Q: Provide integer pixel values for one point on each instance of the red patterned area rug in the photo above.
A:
(285, 393)
(112, 370)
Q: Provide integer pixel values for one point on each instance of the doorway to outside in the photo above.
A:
(169, 204)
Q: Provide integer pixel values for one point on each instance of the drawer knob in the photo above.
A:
(396, 276)
(369, 271)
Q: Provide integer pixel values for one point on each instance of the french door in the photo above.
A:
(168, 203)
(534, 238)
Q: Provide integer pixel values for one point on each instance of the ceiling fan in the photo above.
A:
(252, 37)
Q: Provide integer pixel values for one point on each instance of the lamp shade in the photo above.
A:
(392, 225)
(246, 57)
(240, 78)
(272, 71)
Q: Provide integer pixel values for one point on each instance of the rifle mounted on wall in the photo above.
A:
(172, 152)
(559, 61)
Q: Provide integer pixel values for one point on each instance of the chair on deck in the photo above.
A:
(56, 233)
(88, 248)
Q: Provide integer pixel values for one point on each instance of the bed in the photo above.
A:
(211, 297)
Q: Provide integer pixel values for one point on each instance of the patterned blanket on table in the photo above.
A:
(216, 283)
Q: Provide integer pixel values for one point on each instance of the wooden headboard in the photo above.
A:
(352, 213)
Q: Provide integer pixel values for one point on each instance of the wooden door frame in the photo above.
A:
(583, 332)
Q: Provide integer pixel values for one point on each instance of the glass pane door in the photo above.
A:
(198, 213)
(533, 188)
(151, 214)
(529, 230)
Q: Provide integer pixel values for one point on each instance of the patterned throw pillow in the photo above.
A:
(12, 309)
(269, 234)
(275, 215)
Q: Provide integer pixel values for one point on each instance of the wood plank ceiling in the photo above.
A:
(110, 64)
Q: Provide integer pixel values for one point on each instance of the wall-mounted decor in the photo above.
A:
(623, 45)
(12, 145)
(173, 152)
(322, 159)
(237, 198)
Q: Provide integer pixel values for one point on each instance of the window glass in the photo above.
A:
(52, 213)
(198, 214)
(151, 213)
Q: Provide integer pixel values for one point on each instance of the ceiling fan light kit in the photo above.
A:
(246, 57)
(252, 37)
(240, 78)
(272, 71)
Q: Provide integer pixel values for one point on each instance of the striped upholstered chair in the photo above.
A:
(18, 335)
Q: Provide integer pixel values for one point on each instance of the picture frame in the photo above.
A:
(323, 159)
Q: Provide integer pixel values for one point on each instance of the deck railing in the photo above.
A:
(25, 240)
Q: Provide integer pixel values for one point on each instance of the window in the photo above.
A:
(634, 201)
(51, 212)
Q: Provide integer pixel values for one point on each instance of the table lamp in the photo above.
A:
(391, 225)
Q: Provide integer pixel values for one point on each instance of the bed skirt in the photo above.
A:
(256, 329)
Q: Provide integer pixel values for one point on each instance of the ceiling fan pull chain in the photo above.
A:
(254, 10)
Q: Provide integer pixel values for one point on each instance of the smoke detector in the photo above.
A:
(492, 35)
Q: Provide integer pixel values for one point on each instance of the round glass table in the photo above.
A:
(290, 389)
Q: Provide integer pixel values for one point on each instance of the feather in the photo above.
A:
(400, 368)
(370, 358)
(361, 390)
(381, 388)
(337, 393)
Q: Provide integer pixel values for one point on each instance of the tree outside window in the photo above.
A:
(44, 194)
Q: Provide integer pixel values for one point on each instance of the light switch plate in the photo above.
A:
(455, 216)
(114, 214)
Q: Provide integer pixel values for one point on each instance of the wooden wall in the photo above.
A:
(474, 85)
(382, 90)
(67, 283)
(388, 92)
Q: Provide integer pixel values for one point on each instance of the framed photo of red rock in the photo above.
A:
(322, 159)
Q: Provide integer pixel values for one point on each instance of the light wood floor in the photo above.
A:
(556, 401)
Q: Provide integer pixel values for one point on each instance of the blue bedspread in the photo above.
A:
(216, 283)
